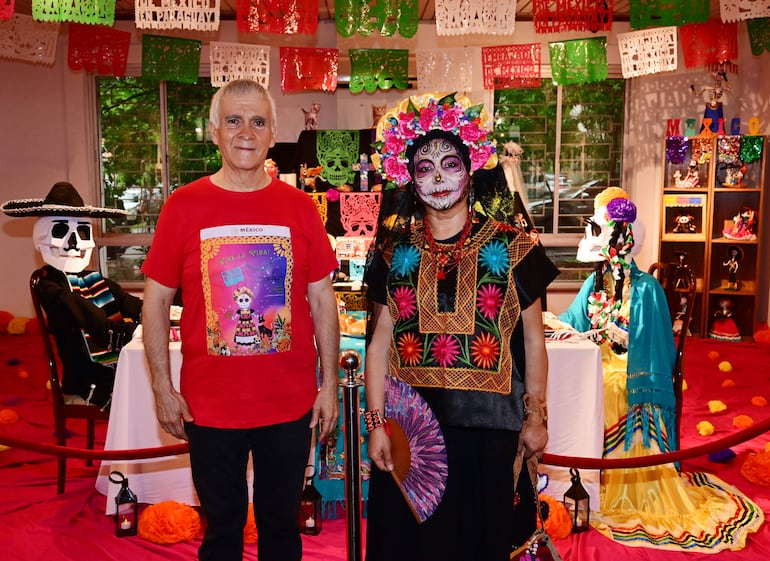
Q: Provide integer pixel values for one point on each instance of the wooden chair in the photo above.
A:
(678, 283)
(61, 410)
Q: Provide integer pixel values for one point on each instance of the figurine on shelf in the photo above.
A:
(734, 175)
(377, 112)
(744, 224)
(724, 327)
(681, 273)
(685, 224)
(715, 97)
(734, 256)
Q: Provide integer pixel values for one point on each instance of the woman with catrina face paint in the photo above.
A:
(457, 317)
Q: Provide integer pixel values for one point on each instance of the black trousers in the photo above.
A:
(219, 459)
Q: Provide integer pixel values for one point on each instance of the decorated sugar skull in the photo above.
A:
(65, 243)
(337, 151)
(63, 233)
(612, 208)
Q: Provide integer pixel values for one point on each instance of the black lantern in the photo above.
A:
(310, 507)
(577, 503)
(126, 511)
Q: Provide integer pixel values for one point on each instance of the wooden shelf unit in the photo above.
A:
(696, 213)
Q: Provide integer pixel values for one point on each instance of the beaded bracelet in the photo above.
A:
(373, 419)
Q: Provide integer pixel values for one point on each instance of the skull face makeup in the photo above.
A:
(440, 176)
(64, 243)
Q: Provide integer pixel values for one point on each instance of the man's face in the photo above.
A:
(245, 132)
(440, 177)
(64, 243)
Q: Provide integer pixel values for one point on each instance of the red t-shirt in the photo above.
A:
(243, 261)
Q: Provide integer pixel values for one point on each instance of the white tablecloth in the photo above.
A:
(575, 410)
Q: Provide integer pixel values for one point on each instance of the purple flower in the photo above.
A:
(621, 210)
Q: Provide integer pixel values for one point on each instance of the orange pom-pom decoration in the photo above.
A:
(725, 366)
(742, 421)
(759, 401)
(250, 529)
(756, 469)
(762, 338)
(713, 355)
(17, 326)
(5, 319)
(558, 525)
(8, 416)
(169, 522)
(728, 383)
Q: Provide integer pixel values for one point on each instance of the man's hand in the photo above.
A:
(172, 412)
(326, 411)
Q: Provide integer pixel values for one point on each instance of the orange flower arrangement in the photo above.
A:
(558, 524)
(756, 469)
(169, 522)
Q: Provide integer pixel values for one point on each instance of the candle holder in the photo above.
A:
(577, 503)
(126, 507)
(310, 506)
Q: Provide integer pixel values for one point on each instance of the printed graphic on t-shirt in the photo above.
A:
(246, 286)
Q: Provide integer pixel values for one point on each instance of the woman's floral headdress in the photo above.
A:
(418, 115)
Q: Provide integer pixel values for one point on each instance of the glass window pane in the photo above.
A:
(129, 126)
(191, 155)
(133, 156)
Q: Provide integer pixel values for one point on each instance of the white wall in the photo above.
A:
(47, 111)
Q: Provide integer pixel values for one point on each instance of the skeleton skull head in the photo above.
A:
(64, 243)
(337, 151)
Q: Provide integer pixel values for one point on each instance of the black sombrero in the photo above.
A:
(62, 200)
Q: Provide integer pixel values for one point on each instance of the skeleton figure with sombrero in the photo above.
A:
(90, 316)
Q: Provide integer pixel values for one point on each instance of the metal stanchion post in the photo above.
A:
(350, 362)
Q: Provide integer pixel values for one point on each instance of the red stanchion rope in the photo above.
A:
(549, 459)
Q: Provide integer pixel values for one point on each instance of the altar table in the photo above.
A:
(576, 419)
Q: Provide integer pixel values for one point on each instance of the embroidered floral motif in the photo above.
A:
(410, 349)
(444, 349)
(406, 258)
(494, 256)
(406, 301)
(485, 350)
(489, 300)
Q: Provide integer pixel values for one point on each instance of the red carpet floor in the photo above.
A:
(37, 524)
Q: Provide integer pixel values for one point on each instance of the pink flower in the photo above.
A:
(489, 300)
(405, 128)
(444, 349)
(450, 119)
(394, 144)
(480, 156)
(469, 132)
(426, 117)
(395, 169)
(332, 195)
(406, 301)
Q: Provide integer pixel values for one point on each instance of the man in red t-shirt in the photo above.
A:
(253, 262)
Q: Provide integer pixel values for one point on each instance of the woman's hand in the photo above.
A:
(533, 439)
(379, 449)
